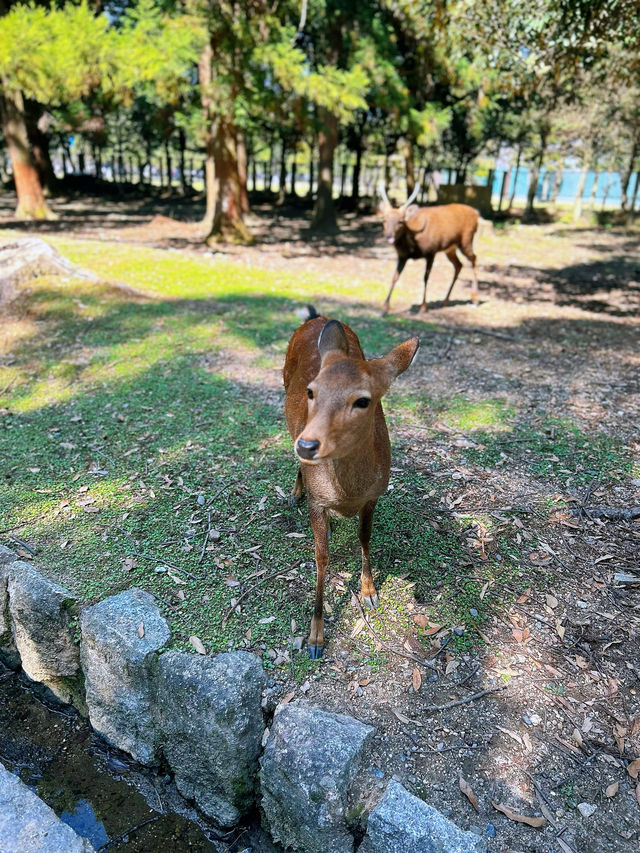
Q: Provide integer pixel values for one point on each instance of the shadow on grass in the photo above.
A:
(145, 458)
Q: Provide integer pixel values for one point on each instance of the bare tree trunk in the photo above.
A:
(355, 180)
(577, 203)
(182, 145)
(557, 183)
(294, 169)
(39, 142)
(31, 201)
(626, 175)
(324, 215)
(282, 177)
(515, 177)
(407, 153)
(223, 217)
(533, 183)
(241, 154)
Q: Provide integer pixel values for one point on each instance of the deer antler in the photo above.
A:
(383, 193)
(414, 195)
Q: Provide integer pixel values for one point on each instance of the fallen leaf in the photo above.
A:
(638, 793)
(24, 554)
(634, 768)
(466, 789)
(416, 679)
(306, 686)
(406, 720)
(295, 535)
(196, 642)
(536, 822)
(266, 621)
(141, 630)
(288, 697)
(539, 558)
(552, 601)
(560, 630)
(611, 790)
(421, 620)
(180, 594)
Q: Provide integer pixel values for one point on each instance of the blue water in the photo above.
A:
(85, 822)
(608, 184)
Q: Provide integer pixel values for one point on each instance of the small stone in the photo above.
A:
(587, 809)
(403, 823)
(459, 632)
(378, 773)
(490, 830)
(200, 500)
(473, 612)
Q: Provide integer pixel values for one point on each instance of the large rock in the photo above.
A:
(211, 722)
(40, 613)
(402, 823)
(27, 825)
(120, 640)
(310, 764)
(8, 652)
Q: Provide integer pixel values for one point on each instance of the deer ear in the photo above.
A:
(390, 366)
(332, 338)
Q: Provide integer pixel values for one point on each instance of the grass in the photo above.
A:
(131, 426)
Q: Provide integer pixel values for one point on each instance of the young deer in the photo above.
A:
(334, 415)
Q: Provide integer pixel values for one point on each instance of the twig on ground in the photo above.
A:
(162, 562)
(8, 385)
(613, 513)
(22, 543)
(468, 677)
(386, 646)
(251, 589)
(127, 833)
(431, 708)
(206, 537)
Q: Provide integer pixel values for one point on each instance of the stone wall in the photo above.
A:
(203, 717)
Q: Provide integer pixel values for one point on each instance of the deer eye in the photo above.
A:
(361, 403)
(310, 393)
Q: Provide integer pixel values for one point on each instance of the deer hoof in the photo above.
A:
(294, 500)
(315, 652)
(372, 601)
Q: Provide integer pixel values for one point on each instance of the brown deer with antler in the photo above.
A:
(421, 232)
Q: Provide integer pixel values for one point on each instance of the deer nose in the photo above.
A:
(307, 449)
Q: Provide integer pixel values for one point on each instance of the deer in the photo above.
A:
(334, 416)
(422, 232)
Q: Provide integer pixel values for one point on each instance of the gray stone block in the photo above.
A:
(27, 825)
(40, 613)
(211, 722)
(120, 669)
(8, 651)
(310, 765)
(402, 823)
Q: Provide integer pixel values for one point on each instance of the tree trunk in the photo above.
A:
(355, 180)
(223, 216)
(294, 169)
(167, 154)
(241, 153)
(533, 183)
(182, 146)
(39, 142)
(577, 202)
(594, 189)
(282, 177)
(407, 153)
(31, 200)
(626, 175)
(311, 172)
(324, 215)
(515, 177)
(632, 207)
(557, 183)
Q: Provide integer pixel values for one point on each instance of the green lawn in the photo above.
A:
(131, 426)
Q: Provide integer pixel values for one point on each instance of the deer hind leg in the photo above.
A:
(369, 594)
(427, 272)
(396, 275)
(467, 251)
(320, 527)
(298, 490)
(457, 266)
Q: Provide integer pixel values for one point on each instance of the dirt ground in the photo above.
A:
(556, 736)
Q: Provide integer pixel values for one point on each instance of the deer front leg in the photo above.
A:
(298, 489)
(427, 271)
(369, 594)
(320, 527)
(396, 275)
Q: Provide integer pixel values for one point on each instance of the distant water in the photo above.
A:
(608, 185)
